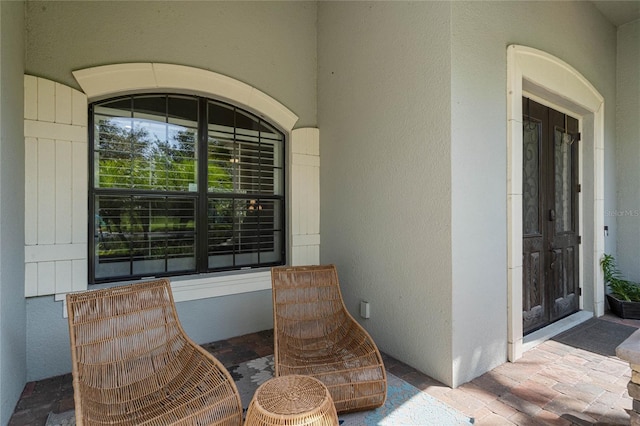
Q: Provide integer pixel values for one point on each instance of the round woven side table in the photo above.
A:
(292, 400)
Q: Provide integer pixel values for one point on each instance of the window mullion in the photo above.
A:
(202, 213)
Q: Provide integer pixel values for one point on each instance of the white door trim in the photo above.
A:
(556, 81)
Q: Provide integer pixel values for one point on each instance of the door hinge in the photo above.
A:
(579, 291)
(578, 136)
(579, 189)
(579, 239)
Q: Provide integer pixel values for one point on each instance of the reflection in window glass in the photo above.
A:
(159, 211)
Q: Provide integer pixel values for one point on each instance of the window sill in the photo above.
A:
(220, 285)
(188, 288)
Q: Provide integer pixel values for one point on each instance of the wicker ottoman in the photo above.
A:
(292, 400)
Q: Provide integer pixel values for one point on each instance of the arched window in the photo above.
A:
(183, 184)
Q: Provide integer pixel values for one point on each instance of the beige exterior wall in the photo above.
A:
(573, 32)
(268, 45)
(385, 184)
(627, 213)
(13, 330)
(412, 108)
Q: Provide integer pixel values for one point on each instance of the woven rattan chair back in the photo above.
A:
(133, 363)
(315, 335)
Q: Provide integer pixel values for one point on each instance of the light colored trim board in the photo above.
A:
(111, 80)
(556, 81)
(46, 124)
(305, 193)
(55, 129)
(185, 289)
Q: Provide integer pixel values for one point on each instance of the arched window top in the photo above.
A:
(112, 80)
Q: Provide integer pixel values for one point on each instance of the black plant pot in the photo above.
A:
(623, 308)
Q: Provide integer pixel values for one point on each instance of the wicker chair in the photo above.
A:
(133, 364)
(315, 335)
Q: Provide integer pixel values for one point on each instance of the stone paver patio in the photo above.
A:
(552, 384)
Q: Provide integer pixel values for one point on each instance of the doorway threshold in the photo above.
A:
(532, 340)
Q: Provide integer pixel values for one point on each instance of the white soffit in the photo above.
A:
(111, 80)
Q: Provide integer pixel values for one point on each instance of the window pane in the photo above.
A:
(244, 232)
(531, 177)
(144, 235)
(244, 153)
(220, 236)
(151, 145)
(147, 188)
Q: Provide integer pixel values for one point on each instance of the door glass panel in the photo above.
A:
(562, 159)
(531, 177)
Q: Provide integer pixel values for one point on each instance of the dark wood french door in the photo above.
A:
(550, 185)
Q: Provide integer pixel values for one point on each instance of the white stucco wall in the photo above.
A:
(268, 45)
(572, 31)
(384, 115)
(12, 303)
(412, 107)
(628, 154)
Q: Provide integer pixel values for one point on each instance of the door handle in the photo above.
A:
(552, 215)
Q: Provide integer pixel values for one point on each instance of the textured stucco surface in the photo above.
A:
(411, 105)
(12, 302)
(204, 320)
(268, 45)
(383, 112)
(572, 31)
(412, 109)
(628, 155)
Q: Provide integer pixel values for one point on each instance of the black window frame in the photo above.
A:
(201, 196)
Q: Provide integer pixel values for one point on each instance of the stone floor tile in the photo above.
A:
(399, 369)
(598, 410)
(481, 413)
(573, 358)
(476, 391)
(579, 419)
(522, 419)
(542, 352)
(572, 385)
(615, 368)
(557, 348)
(583, 391)
(463, 402)
(520, 404)
(422, 381)
(501, 409)
(563, 373)
(563, 404)
(551, 419)
(493, 420)
(520, 370)
(602, 378)
(438, 390)
(615, 400)
(495, 383)
(544, 380)
(534, 392)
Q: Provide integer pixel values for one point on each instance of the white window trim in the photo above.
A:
(54, 265)
(117, 79)
(560, 84)
(113, 80)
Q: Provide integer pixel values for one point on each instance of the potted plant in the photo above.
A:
(624, 299)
